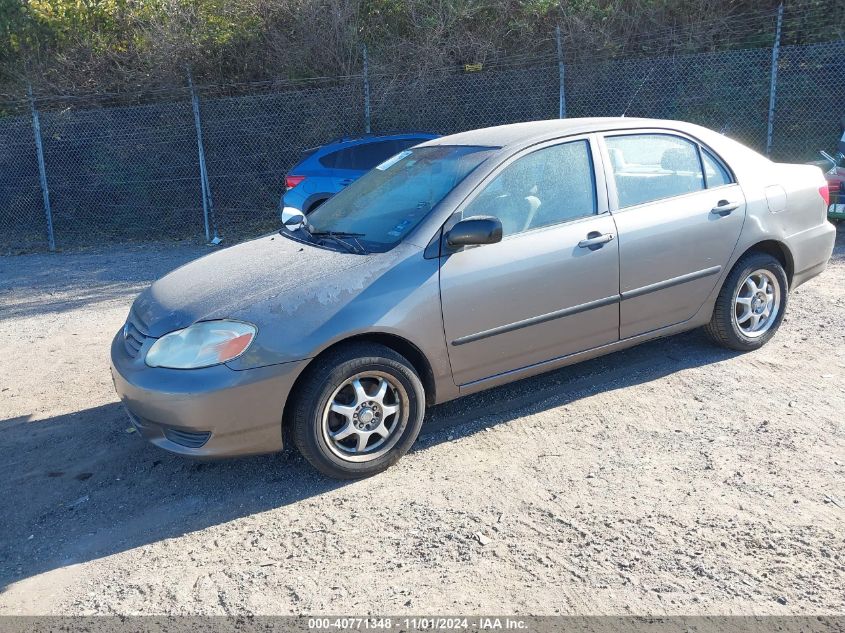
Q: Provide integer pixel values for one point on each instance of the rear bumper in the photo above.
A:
(811, 251)
(210, 412)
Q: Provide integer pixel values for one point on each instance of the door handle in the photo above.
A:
(723, 207)
(595, 240)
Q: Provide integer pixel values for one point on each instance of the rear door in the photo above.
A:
(543, 291)
(679, 213)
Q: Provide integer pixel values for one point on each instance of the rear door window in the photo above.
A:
(649, 167)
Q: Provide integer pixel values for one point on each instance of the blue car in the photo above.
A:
(325, 170)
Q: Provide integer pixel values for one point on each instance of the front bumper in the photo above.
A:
(210, 412)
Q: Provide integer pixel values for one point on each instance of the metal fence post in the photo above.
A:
(42, 170)
(774, 82)
(207, 205)
(560, 71)
(366, 91)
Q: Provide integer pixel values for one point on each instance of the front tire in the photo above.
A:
(359, 409)
(751, 304)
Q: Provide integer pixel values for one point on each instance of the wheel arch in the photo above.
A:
(395, 342)
(776, 249)
(315, 201)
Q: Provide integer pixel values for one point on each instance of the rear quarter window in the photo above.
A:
(715, 173)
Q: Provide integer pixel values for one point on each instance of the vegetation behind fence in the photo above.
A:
(117, 171)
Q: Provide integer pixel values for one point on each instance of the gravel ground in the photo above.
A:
(673, 478)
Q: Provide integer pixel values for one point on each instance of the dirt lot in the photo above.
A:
(672, 478)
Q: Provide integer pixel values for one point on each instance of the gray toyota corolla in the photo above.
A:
(460, 264)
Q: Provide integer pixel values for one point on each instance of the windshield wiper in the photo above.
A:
(337, 235)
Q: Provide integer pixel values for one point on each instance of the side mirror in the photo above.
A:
(479, 229)
(293, 218)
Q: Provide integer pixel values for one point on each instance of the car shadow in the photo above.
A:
(82, 486)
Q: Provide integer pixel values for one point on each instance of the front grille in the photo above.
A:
(133, 338)
(188, 439)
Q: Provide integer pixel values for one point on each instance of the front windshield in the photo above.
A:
(385, 204)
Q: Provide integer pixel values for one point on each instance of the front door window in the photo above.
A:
(546, 187)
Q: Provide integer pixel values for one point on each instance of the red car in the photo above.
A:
(836, 178)
(836, 186)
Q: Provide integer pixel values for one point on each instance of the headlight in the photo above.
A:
(201, 345)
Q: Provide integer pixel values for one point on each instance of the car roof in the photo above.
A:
(372, 138)
(529, 132)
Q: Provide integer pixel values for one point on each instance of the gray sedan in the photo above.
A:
(460, 264)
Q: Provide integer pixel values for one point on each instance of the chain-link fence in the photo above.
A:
(140, 172)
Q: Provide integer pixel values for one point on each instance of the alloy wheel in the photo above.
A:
(363, 418)
(757, 303)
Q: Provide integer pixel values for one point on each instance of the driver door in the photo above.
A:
(551, 286)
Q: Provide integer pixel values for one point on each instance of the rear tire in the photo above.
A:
(357, 411)
(751, 304)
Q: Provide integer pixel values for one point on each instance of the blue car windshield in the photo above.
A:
(385, 204)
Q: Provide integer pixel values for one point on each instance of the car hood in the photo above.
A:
(254, 281)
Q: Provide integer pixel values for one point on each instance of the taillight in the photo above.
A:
(825, 193)
(293, 181)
